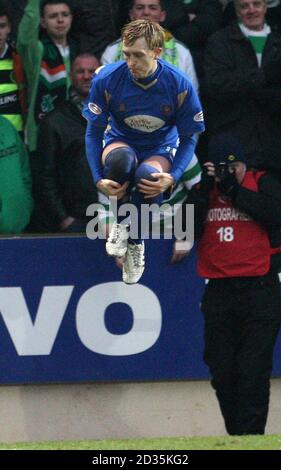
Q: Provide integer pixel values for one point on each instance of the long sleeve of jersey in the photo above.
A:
(189, 123)
(183, 156)
(95, 111)
(94, 136)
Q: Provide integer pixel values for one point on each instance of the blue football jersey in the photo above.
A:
(144, 113)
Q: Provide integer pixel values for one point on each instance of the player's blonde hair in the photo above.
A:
(150, 30)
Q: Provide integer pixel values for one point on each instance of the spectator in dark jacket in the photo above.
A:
(243, 84)
(66, 187)
(192, 23)
(95, 25)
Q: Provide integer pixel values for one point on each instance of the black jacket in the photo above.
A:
(65, 181)
(16, 8)
(95, 24)
(194, 34)
(240, 100)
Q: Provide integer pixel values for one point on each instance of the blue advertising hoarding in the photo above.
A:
(66, 316)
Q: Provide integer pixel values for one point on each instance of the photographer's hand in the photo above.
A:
(228, 183)
(207, 177)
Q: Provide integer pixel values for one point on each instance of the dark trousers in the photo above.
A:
(242, 320)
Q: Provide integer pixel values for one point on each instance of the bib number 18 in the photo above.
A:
(226, 234)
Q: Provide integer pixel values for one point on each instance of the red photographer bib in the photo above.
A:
(232, 245)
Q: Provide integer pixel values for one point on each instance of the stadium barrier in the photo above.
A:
(131, 354)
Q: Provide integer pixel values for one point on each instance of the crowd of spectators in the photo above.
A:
(235, 66)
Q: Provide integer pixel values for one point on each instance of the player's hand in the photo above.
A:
(162, 182)
(112, 188)
(181, 250)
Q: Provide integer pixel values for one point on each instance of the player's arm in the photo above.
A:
(189, 122)
(94, 145)
(183, 156)
(96, 113)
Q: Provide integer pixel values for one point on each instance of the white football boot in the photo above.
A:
(117, 241)
(133, 266)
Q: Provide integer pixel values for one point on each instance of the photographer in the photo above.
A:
(238, 210)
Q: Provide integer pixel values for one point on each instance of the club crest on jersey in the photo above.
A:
(166, 109)
(94, 108)
(199, 117)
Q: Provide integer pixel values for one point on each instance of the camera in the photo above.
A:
(221, 170)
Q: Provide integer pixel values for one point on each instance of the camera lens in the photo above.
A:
(221, 170)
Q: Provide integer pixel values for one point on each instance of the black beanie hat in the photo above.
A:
(225, 148)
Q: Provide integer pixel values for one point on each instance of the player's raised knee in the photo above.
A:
(120, 164)
(145, 171)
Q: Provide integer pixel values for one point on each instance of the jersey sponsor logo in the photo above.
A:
(199, 117)
(7, 99)
(94, 108)
(144, 123)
